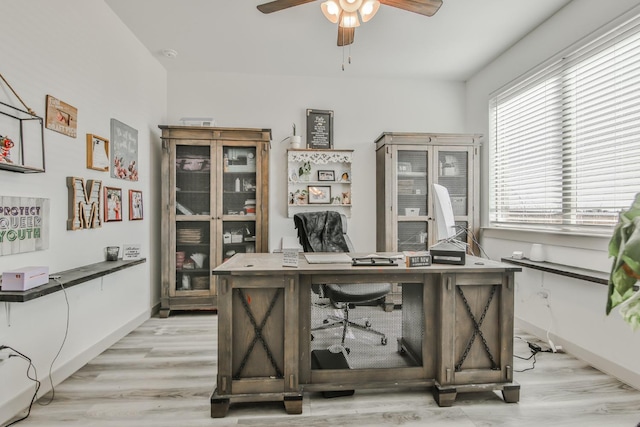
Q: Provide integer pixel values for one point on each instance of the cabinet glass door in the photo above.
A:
(454, 175)
(412, 191)
(239, 199)
(193, 218)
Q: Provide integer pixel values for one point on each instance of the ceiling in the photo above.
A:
(232, 36)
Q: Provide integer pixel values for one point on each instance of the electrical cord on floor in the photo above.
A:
(535, 349)
(34, 379)
(64, 339)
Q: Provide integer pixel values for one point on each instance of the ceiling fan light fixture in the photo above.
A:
(350, 6)
(349, 20)
(331, 11)
(368, 9)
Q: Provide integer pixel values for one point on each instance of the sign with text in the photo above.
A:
(320, 129)
(130, 251)
(24, 224)
(61, 117)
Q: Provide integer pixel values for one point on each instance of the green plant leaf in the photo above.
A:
(630, 312)
(624, 247)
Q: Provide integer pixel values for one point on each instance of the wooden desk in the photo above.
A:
(463, 342)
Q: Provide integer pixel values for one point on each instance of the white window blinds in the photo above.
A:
(565, 140)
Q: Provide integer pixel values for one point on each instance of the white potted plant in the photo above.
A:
(295, 140)
(304, 171)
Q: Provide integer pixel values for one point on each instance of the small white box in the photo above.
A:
(24, 278)
(412, 211)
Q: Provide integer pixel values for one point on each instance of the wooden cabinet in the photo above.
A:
(407, 164)
(215, 203)
(319, 180)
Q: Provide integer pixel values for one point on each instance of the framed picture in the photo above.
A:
(97, 153)
(320, 129)
(112, 204)
(318, 194)
(61, 117)
(326, 176)
(135, 205)
(124, 151)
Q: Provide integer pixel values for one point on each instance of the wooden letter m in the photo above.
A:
(84, 204)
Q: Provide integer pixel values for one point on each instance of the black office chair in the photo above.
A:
(327, 232)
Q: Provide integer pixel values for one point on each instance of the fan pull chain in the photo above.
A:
(348, 57)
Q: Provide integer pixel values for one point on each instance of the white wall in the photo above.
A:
(575, 314)
(81, 53)
(363, 109)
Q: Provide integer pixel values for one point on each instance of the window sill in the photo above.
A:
(549, 237)
(69, 278)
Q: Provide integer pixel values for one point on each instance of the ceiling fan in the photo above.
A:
(345, 12)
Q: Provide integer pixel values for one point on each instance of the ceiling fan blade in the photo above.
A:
(277, 5)
(345, 35)
(423, 7)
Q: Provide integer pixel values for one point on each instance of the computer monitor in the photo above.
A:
(445, 226)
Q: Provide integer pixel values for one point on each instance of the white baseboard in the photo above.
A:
(619, 372)
(16, 406)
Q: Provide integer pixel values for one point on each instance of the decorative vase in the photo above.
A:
(296, 141)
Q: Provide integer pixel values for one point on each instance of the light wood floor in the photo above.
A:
(162, 374)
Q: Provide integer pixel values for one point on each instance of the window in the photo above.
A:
(565, 139)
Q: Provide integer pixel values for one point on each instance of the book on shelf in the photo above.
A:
(417, 258)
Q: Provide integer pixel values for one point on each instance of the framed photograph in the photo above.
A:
(319, 194)
(61, 117)
(320, 129)
(112, 204)
(124, 151)
(97, 153)
(135, 205)
(326, 176)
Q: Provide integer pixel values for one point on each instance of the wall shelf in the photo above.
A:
(562, 270)
(335, 162)
(27, 133)
(69, 278)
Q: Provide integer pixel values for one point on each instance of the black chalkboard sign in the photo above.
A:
(320, 129)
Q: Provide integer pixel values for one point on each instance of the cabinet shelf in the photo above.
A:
(311, 205)
(319, 182)
(232, 217)
(412, 174)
